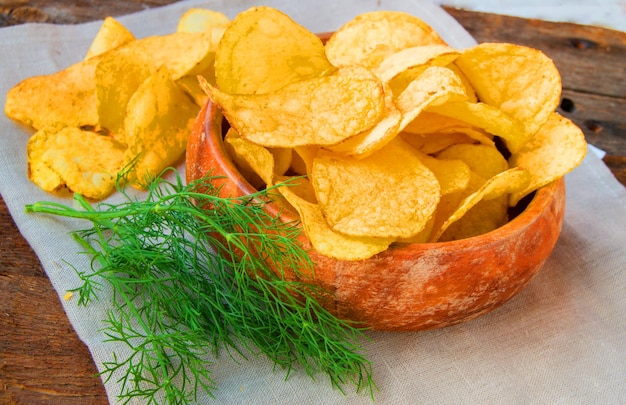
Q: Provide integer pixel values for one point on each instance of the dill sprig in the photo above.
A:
(177, 302)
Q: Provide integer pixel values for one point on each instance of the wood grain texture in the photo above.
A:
(42, 361)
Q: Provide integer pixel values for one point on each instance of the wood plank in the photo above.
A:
(42, 360)
(14, 12)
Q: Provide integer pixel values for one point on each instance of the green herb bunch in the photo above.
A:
(177, 303)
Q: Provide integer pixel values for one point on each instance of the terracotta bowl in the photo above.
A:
(414, 286)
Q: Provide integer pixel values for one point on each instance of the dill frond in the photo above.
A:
(176, 300)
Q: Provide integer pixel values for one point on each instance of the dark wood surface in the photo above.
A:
(42, 361)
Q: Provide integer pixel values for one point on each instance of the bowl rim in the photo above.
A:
(537, 202)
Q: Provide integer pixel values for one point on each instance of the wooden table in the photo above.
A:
(41, 358)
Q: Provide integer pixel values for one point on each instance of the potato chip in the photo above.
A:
(182, 53)
(118, 75)
(431, 144)
(254, 162)
(423, 236)
(483, 160)
(298, 165)
(389, 194)
(306, 154)
(500, 185)
(328, 242)
(264, 50)
(555, 150)
(300, 186)
(81, 161)
(448, 203)
(370, 37)
(453, 175)
(323, 111)
(159, 120)
(431, 133)
(522, 82)
(191, 86)
(484, 116)
(485, 216)
(282, 159)
(66, 98)
(202, 20)
(369, 141)
(469, 90)
(431, 123)
(422, 56)
(111, 35)
(437, 85)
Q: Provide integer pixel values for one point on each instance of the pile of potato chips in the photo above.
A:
(392, 135)
(129, 105)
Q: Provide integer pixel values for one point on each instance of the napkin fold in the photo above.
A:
(561, 340)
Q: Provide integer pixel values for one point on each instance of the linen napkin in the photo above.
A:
(561, 340)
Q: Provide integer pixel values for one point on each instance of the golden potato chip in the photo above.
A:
(182, 53)
(118, 75)
(264, 50)
(298, 165)
(484, 116)
(282, 159)
(555, 150)
(431, 144)
(66, 98)
(367, 142)
(423, 236)
(81, 161)
(486, 161)
(485, 216)
(300, 186)
(191, 86)
(325, 240)
(453, 175)
(306, 154)
(202, 19)
(157, 127)
(111, 35)
(522, 82)
(437, 85)
(254, 161)
(370, 37)
(469, 90)
(500, 185)
(431, 123)
(422, 56)
(389, 194)
(38, 171)
(450, 202)
(323, 111)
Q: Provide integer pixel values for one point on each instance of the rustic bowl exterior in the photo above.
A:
(412, 286)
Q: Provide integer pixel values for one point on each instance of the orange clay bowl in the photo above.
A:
(412, 286)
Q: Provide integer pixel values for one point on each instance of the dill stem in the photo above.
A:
(193, 279)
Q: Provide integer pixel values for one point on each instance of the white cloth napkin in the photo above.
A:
(561, 340)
